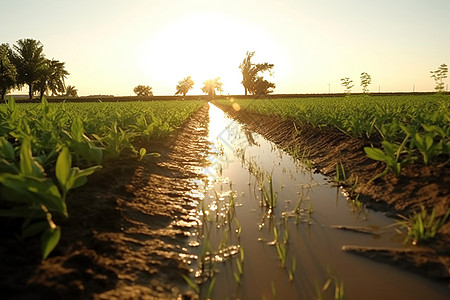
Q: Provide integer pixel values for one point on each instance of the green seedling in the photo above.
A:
(390, 156)
(421, 226)
(340, 176)
(37, 199)
(331, 281)
(292, 270)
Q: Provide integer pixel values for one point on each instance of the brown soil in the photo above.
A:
(127, 227)
(417, 185)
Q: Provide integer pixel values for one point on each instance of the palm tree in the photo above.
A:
(56, 82)
(71, 91)
(184, 86)
(211, 86)
(29, 61)
(52, 78)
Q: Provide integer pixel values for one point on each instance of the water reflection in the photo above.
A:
(289, 247)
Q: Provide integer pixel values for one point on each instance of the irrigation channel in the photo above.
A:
(267, 228)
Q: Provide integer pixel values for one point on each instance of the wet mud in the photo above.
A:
(418, 185)
(128, 226)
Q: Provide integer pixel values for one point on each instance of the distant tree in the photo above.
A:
(210, 87)
(40, 85)
(262, 86)
(29, 61)
(56, 83)
(184, 86)
(143, 90)
(348, 84)
(51, 78)
(438, 76)
(250, 73)
(71, 91)
(366, 80)
(8, 71)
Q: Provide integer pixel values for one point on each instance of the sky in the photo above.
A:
(111, 46)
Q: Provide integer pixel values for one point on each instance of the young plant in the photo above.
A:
(390, 156)
(281, 246)
(338, 287)
(340, 176)
(70, 177)
(83, 147)
(240, 266)
(267, 193)
(421, 226)
(37, 199)
(292, 270)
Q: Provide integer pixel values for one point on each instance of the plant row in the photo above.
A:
(48, 149)
(402, 129)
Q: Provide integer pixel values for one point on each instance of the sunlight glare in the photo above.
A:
(202, 45)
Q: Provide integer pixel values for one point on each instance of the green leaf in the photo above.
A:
(388, 148)
(26, 164)
(142, 152)
(6, 149)
(11, 104)
(79, 176)
(375, 153)
(34, 228)
(76, 130)
(434, 128)
(44, 101)
(428, 141)
(49, 240)
(192, 284)
(62, 169)
(34, 191)
(23, 211)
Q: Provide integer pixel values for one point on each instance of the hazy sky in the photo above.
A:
(111, 46)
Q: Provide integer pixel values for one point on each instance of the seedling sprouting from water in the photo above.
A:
(240, 266)
(422, 226)
(281, 246)
(331, 281)
(340, 176)
(292, 270)
(267, 193)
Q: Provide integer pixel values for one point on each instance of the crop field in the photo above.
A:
(403, 129)
(238, 208)
(48, 149)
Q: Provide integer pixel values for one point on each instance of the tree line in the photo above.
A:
(26, 64)
(252, 80)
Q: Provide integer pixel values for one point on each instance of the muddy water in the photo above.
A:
(266, 229)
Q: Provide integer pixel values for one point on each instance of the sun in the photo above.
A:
(202, 45)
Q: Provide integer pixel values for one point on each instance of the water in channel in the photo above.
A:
(266, 229)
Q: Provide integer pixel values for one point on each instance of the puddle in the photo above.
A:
(268, 228)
